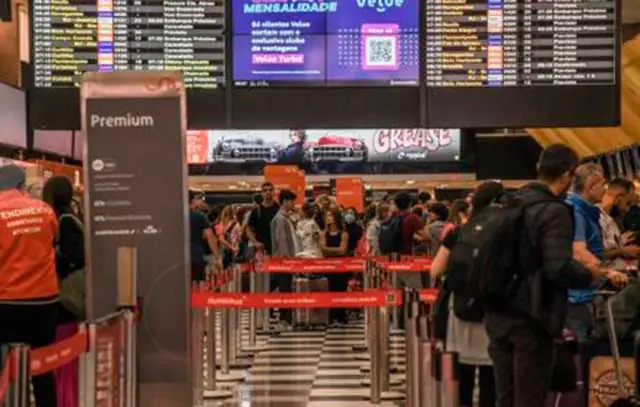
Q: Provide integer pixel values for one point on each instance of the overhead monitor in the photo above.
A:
(54, 141)
(13, 117)
(320, 43)
(522, 62)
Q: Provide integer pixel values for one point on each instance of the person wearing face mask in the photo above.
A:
(613, 207)
(354, 231)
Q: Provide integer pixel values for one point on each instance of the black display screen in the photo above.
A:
(523, 62)
(71, 37)
(481, 63)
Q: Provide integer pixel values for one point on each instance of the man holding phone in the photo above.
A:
(618, 246)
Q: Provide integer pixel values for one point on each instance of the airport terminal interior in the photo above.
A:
(257, 203)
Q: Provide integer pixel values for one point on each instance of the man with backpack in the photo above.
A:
(399, 234)
(521, 269)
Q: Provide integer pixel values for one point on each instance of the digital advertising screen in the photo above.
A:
(321, 150)
(334, 42)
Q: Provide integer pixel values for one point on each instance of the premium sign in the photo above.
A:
(136, 210)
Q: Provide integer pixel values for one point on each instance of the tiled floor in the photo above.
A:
(309, 369)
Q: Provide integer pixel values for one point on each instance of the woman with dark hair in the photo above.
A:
(468, 339)
(459, 212)
(335, 243)
(225, 225)
(58, 193)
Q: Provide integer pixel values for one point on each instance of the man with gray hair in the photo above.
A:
(587, 191)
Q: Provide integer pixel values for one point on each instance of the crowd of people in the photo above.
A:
(578, 229)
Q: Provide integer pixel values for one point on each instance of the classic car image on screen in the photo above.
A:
(336, 148)
(332, 42)
(246, 148)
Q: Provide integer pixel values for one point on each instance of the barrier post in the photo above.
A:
(197, 336)
(449, 380)
(413, 384)
(266, 288)
(368, 269)
(254, 313)
(375, 350)
(226, 346)
(87, 370)
(211, 390)
(16, 357)
(130, 373)
(395, 311)
(427, 350)
(7, 364)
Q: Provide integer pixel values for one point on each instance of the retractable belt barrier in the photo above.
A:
(224, 298)
(105, 352)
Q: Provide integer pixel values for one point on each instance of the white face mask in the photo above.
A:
(349, 217)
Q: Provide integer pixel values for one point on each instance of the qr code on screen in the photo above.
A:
(381, 51)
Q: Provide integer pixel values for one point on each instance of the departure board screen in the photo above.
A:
(545, 58)
(71, 37)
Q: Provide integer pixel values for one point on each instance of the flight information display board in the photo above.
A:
(522, 63)
(476, 43)
(326, 42)
(71, 37)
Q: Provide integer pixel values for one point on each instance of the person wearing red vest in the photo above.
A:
(28, 281)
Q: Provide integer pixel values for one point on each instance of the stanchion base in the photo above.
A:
(231, 377)
(393, 381)
(363, 357)
(217, 394)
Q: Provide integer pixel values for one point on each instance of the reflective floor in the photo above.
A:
(310, 369)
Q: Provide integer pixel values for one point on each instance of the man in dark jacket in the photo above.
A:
(522, 332)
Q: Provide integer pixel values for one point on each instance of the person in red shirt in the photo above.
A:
(28, 281)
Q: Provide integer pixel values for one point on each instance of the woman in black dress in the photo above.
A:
(335, 243)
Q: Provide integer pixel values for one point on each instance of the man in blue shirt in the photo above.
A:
(588, 189)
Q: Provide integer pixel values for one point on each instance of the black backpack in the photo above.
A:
(391, 235)
(492, 256)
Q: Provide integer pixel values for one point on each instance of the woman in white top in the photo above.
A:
(309, 232)
(469, 339)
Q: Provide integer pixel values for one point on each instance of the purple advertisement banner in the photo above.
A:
(342, 41)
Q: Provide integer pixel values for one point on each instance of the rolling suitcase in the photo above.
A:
(310, 317)
(623, 398)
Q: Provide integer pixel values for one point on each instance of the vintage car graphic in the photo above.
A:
(246, 148)
(336, 148)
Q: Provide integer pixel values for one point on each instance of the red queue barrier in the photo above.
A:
(342, 265)
(359, 299)
(49, 358)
